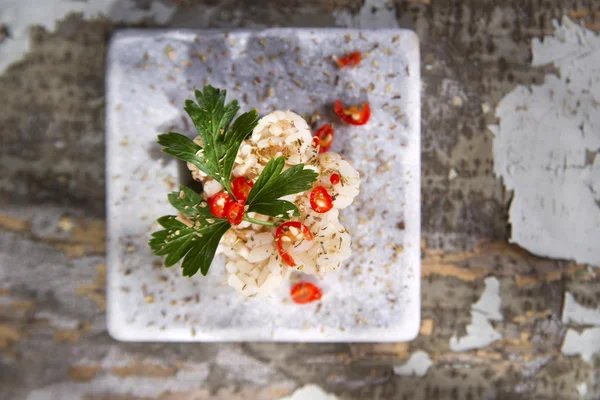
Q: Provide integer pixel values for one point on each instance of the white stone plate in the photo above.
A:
(376, 295)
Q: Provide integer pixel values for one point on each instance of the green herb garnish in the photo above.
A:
(273, 184)
(211, 117)
(195, 234)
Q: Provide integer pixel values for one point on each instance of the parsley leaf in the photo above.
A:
(212, 118)
(183, 148)
(189, 203)
(202, 253)
(276, 208)
(273, 184)
(197, 244)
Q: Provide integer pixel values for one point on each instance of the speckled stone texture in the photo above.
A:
(52, 324)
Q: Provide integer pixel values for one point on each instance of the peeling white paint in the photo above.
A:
(582, 389)
(418, 364)
(547, 149)
(490, 301)
(585, 344)
(480, 331)
(310, 392)
(576, 313)
(452, 174)
(485, 108)
(19, 15)
(373, 14)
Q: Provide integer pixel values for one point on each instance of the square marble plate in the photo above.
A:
(376, 295)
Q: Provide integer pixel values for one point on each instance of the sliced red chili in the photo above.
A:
(325, 136)
(305, 292)
(353, 115)
(316, 141)
(320, 200)
(284, 231)
(350, 60)
(241, 188)
(218, 204)
(334, 179)
(235, 212)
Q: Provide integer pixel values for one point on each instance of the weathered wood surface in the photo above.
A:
(52, 329)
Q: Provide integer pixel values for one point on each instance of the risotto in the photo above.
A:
(259, 258)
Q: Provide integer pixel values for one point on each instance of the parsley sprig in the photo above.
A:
(212, 117)
(195, 233)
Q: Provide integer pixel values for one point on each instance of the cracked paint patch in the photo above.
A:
(585, 344)
(582, 389)
(19, 15)
(310, 392)
(576, 313)
(418, 364)
(480, 331)
(546, 148)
